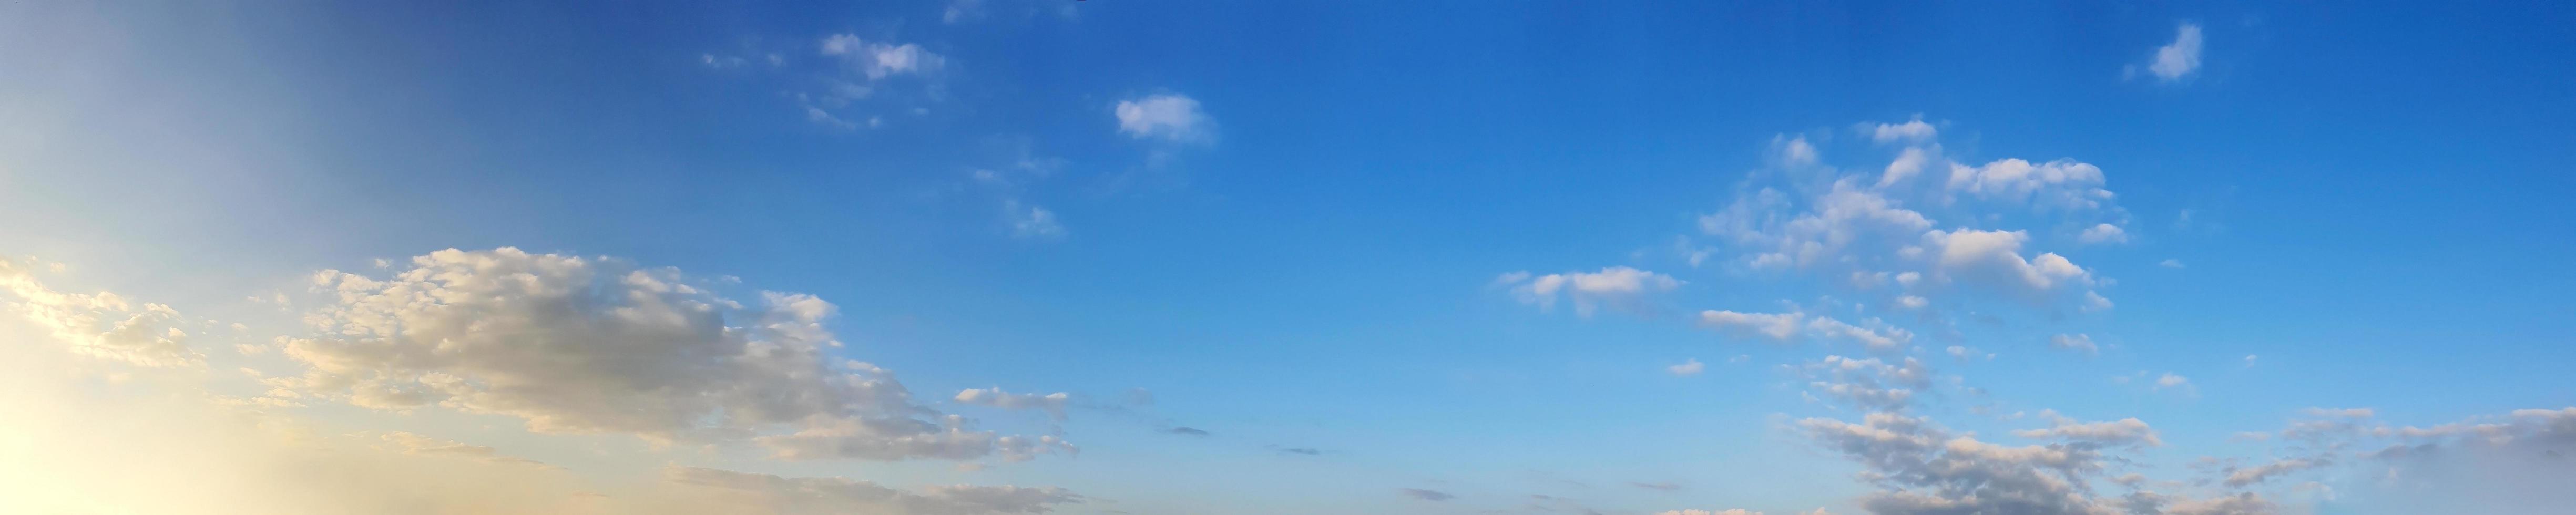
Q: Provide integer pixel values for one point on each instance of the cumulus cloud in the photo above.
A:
(2103, 233)
(1687, 368)
(1875, 230)
(595, 345)
(877, 59)
(1874, 334)
(1170, 117)
(103, 324)
(2127, 431)
(1618, 287)
(2178, 59)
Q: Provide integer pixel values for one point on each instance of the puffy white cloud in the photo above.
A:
(2102, 233)
(1992, 260)
(2075, 342)
(594, 345)
(1617, 287)
(831, 495)
(2178, 59)
(1687, 368)
(2063, 183)
(2170, 380)
(1169, 117)
(103, 324)
(1911, 130)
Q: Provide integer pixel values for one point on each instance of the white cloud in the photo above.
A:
(2075, 342)
(1053, 403)
(1910, 131)
(878, 60)
(2177, 382)
(595, 345)
(1992, 259)
(1687, 368)
(1775, 326)
(2178, 59)
(2170, 263)
(1868, 384)
(1169, 117)
(1925, 470)
(1731, 511)
(2103, 233)
(103, 324)
(1618, 287)
(2063, 183)
(2127, 431)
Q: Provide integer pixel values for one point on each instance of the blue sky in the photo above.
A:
(1470, 250)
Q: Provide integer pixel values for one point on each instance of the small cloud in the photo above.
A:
(1308, 451)
(1170, 117)
(2075, 342)
(1427, 495)
(1667, 487)
(1913, 130)
(1186, 430)
(2249, 360)
(2103, 233)
(2170, 263)
(2176, 60)
(1687, 368)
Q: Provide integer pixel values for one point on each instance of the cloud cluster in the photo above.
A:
(1618, 287)
(1881, 230)
(764, 493)
(1169, 117)
(102, 324)
(1923, 470)
(593, 345)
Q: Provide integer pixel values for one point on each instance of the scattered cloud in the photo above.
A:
(1687, 368)
(2178, 59)
(1169, 117)
(1427, 495)
(2103, 233)
(2075, 342)
(1618, 287)
(103, 325)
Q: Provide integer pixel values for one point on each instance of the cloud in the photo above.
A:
(2170, 263)
(595, 345)
(878, 60)
(1922, 469)
(1911, 131)
(1169, 117)
(1034, 222)
(103, 325)
(1618, 287)
(1186, 430)
(1306, 451)
(2170, 380)
(1427, 495)
(2180, 58)
(826, 495)
(2074, 342)
(1868, 384)
(2103, 233)
(1052, 403)
(409, 443)
(2127, 431)
(1687, 368)
(1872, 333)
(1992, 260)
(2062, 183)
(1666, 487)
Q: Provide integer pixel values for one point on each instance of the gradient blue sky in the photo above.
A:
(1296, 244)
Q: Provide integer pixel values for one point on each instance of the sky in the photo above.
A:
(955, 257)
